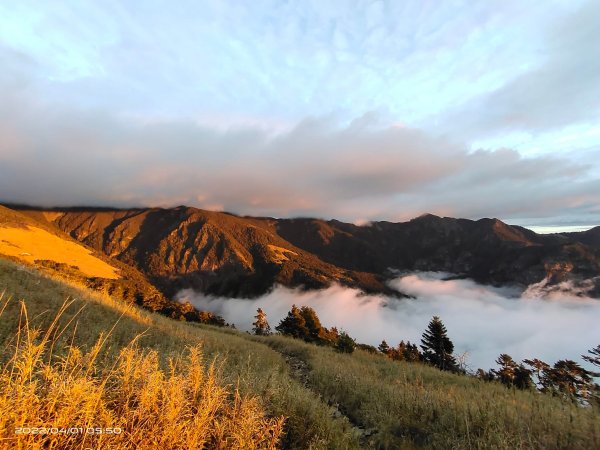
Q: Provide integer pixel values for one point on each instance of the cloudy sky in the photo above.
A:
(347, 109)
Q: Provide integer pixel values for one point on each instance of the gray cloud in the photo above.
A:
(481, 320)
(54, 154)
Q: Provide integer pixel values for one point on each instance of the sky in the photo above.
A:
(355, 110)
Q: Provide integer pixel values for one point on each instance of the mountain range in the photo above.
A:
(223, 254)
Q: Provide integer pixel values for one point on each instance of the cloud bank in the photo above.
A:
(482, 321)
(361, 112)
(53, 155)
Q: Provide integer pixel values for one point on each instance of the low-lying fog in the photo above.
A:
(482, 321)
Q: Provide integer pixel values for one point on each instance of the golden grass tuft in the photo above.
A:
(401, 405)
(136, 404)
(252, 367)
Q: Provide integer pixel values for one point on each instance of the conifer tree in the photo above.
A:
(345, 344)
(508, 367)
(261, 326)
(485, 375)
(316, 332)
(412, 353)
(570, 380)
(396, 353)
(400, 352)
(332, 334)
(293, 324)
(523, 379)
(539, 369)
(303, 323)
(384, 347)
(565, 379)
(437, 346)
(595, 358)
(512, 374)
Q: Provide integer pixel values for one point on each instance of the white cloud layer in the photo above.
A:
(481, 320)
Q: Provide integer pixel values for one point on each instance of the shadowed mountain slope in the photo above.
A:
(590, 237)
(486, 250)
(216, 253)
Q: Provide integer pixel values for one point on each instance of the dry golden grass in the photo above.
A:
(31, 243)
(78, 402)
(254, 369)
(407, 405)
(279, 254)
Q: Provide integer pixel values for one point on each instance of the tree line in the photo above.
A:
(303, 323)
(565, 378)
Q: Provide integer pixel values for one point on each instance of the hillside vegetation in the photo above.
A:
(28, 240)
(36, 242)
(327, 399)
(250, 368)
(400, 402)
(183, 407)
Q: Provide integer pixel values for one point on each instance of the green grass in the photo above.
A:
(406, 406)
(417, 404)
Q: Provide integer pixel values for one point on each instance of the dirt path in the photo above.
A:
(300, 371)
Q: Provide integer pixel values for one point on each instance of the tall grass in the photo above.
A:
(77, 402)
(419, 405)
(254, 369)
(401, 405)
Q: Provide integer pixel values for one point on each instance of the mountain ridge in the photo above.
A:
(224, 254)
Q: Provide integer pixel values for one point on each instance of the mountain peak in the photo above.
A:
(426, 216)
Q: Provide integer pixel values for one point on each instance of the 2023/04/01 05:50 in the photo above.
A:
(68, 430)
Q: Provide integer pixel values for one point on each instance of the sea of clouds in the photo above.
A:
(549, 323)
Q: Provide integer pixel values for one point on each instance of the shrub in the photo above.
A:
(345, 344)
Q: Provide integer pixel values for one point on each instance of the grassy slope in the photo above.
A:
(32, 239)
(255, 368)
(406, 405)
(29, 240)
(433, 409)
(32, 243)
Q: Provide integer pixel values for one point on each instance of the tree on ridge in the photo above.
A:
(261, 325)
(437, 346)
